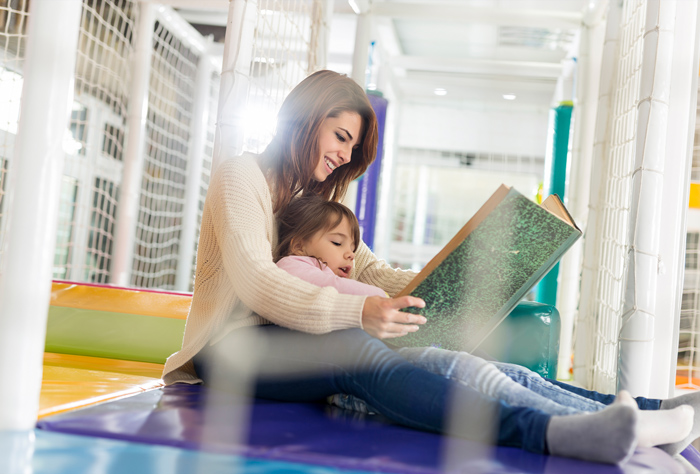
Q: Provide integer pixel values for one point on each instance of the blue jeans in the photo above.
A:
(294, 366)
(511, 383)
(555, 389)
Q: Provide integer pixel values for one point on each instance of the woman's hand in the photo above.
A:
(382, 319)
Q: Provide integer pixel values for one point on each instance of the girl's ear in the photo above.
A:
(296, 248)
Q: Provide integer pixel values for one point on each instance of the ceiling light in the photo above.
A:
(354, 6)
(440, 91)
(509, 96)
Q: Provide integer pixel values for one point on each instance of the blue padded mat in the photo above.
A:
(193, 417)
(43, 452)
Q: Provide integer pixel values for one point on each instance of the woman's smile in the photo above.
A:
(337, 138)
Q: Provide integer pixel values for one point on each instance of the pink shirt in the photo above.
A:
(307, 268)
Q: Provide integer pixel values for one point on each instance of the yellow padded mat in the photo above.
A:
(72, 381)
(121, 300)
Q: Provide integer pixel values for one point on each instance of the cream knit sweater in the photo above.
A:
(238, 285)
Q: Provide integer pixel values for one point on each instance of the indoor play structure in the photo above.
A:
(104, 165)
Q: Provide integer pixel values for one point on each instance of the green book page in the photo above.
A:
(495, 262)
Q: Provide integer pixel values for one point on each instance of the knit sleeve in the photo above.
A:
(242, 212)
(372, 271)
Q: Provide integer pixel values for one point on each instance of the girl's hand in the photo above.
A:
(382, 319)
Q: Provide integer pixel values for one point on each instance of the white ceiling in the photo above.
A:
(477, 50)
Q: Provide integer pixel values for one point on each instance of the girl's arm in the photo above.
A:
(369, 269)
(308, 270)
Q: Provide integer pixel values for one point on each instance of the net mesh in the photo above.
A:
(94, 146)
(688, 364)
(611, 239)
(170, 107)
(13, 38)
(284, 52)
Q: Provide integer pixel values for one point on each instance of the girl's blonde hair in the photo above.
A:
(291, 157)
(307, 215)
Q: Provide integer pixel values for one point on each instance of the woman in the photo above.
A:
(313, 342)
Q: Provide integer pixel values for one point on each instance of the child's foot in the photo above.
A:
(693, 400)
(659, 427)
(607, 436)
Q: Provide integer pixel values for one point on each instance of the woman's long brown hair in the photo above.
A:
(291, 157)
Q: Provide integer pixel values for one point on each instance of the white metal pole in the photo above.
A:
(198, 134)
(579, 176)
(321, 30)
(586, 317)
(676, 188)
(130, 191)
(235, 79)
(30, 240)
(636, 340)
(360, 55)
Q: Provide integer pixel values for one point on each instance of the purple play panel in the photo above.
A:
(196, 418)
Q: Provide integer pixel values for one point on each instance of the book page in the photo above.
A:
(554, 205)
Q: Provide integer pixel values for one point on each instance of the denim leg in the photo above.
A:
(296, 366)
(555, 391)
(642, 402)
(482, 376)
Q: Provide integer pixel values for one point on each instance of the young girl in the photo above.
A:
(313, 342)
(317, 243)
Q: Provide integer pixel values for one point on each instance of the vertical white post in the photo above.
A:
(198, 136)
(636, 340)
(30, 239)
(360, 55)
(360, 59)
(235, 79)
(322, 17)
(585, 321)
(579, 176)
(680, 129)
(130, 189)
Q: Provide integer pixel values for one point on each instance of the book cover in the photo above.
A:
(487, 268)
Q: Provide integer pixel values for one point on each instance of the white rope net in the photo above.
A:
(688, 362)
(284, 52)
(608, 269)
(170, 107)
(95, 146)
(13, 37)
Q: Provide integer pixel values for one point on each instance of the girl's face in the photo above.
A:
(334, 247)
(337, 138)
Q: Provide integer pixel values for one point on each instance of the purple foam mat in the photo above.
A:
(193, 417)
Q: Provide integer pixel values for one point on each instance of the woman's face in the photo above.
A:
(337, 138)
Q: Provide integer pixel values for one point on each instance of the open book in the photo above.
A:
(472, 284)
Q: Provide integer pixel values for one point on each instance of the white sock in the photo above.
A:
(656, 427)
(693, 400)
(607, 436)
